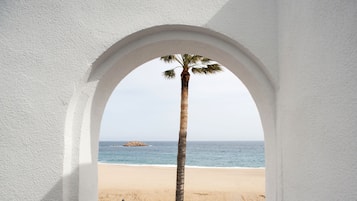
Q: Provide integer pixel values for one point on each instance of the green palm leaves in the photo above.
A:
(196, 63)
(210, 69)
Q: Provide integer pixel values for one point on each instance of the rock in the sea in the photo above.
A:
(134, 144)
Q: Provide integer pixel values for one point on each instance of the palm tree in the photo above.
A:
(197, 65)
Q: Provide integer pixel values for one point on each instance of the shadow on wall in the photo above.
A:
(56, 193)
(247, 18)
(241, 12)
(255, 28)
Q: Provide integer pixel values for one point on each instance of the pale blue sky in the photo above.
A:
(146, 106)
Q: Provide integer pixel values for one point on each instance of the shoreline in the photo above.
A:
(174, 166)
(153, 183)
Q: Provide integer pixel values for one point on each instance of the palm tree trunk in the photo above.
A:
(181, 151)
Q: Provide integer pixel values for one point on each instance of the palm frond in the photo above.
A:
(191, 60)
(205, 60)
(196, 70)
(186, 58)
(169, 74)
(195, 59)
(168, 58)
(209, 69)
(172, 58)
(214, 67)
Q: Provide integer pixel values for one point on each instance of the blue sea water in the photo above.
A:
(199, 153)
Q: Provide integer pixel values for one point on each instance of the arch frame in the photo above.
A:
(88, 103)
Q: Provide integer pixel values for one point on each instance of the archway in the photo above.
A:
(87, 106)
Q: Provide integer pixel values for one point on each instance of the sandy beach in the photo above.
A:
(156, 183)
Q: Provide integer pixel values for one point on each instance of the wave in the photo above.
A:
(174, 166)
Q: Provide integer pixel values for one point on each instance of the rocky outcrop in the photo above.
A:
(135, 144)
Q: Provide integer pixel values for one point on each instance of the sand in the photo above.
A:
(156, 183)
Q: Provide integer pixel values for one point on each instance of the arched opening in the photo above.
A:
(87, 106)
(224, 133)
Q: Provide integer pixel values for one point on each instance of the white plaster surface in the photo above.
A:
(317, 100)
(59, 62)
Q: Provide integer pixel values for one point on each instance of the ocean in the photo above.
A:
(199, 153)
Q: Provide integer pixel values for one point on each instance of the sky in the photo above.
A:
(145, 106)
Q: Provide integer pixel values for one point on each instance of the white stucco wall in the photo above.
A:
(317, 100)
(56, 58)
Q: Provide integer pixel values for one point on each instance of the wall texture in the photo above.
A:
(317, 101)
(306, 50)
